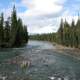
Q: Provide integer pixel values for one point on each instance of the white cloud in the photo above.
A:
(43, 16)
(45, 29)
(42, 7)
(38, 12)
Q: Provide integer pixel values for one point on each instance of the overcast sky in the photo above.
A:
(42, 16)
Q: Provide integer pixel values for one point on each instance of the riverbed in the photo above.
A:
(46, 63)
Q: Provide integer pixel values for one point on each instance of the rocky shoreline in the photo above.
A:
(73, 52)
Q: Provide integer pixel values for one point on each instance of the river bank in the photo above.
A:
(73, 52)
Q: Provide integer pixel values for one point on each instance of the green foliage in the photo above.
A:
(71, 34)
(68, 34)
(1, 29)
(13, 27)
(46, 37)
(60, 32)
(25, 36)
(7, 32)
(12, 32)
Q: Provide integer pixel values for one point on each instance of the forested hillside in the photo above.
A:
(67, 34)
(12, 31)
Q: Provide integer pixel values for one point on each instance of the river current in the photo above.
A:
(46, 63)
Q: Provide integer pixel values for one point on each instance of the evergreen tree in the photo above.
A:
(78, 33)
(26, 34)
(60, 32)
(1, 29)
(7, 31)
(66, 33)
(12, 32)
(72, 34)
(19, 34)
(13, 27)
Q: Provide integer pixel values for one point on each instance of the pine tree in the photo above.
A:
(1, 29)
(19, 34)
(72, 34)
(60, 32)
(13, 27)
(26, 34)
(12, 32)
(78, 33)
(7, 31)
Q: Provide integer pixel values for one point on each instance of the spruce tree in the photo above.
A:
(72, 34)
(19, 34)
(78, 33)
(12, 31)
(13, 27)
(26, 37)
(60, 32)
(1, 29)
(7, 31)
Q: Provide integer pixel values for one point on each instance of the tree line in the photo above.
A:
(12, 31)
(44, 37)
(67, 34)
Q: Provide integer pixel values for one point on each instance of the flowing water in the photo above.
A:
(46, 63)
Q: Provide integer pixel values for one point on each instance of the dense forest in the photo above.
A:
(67, 34)
(12, 31)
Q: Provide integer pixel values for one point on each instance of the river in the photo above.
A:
(46, 63)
